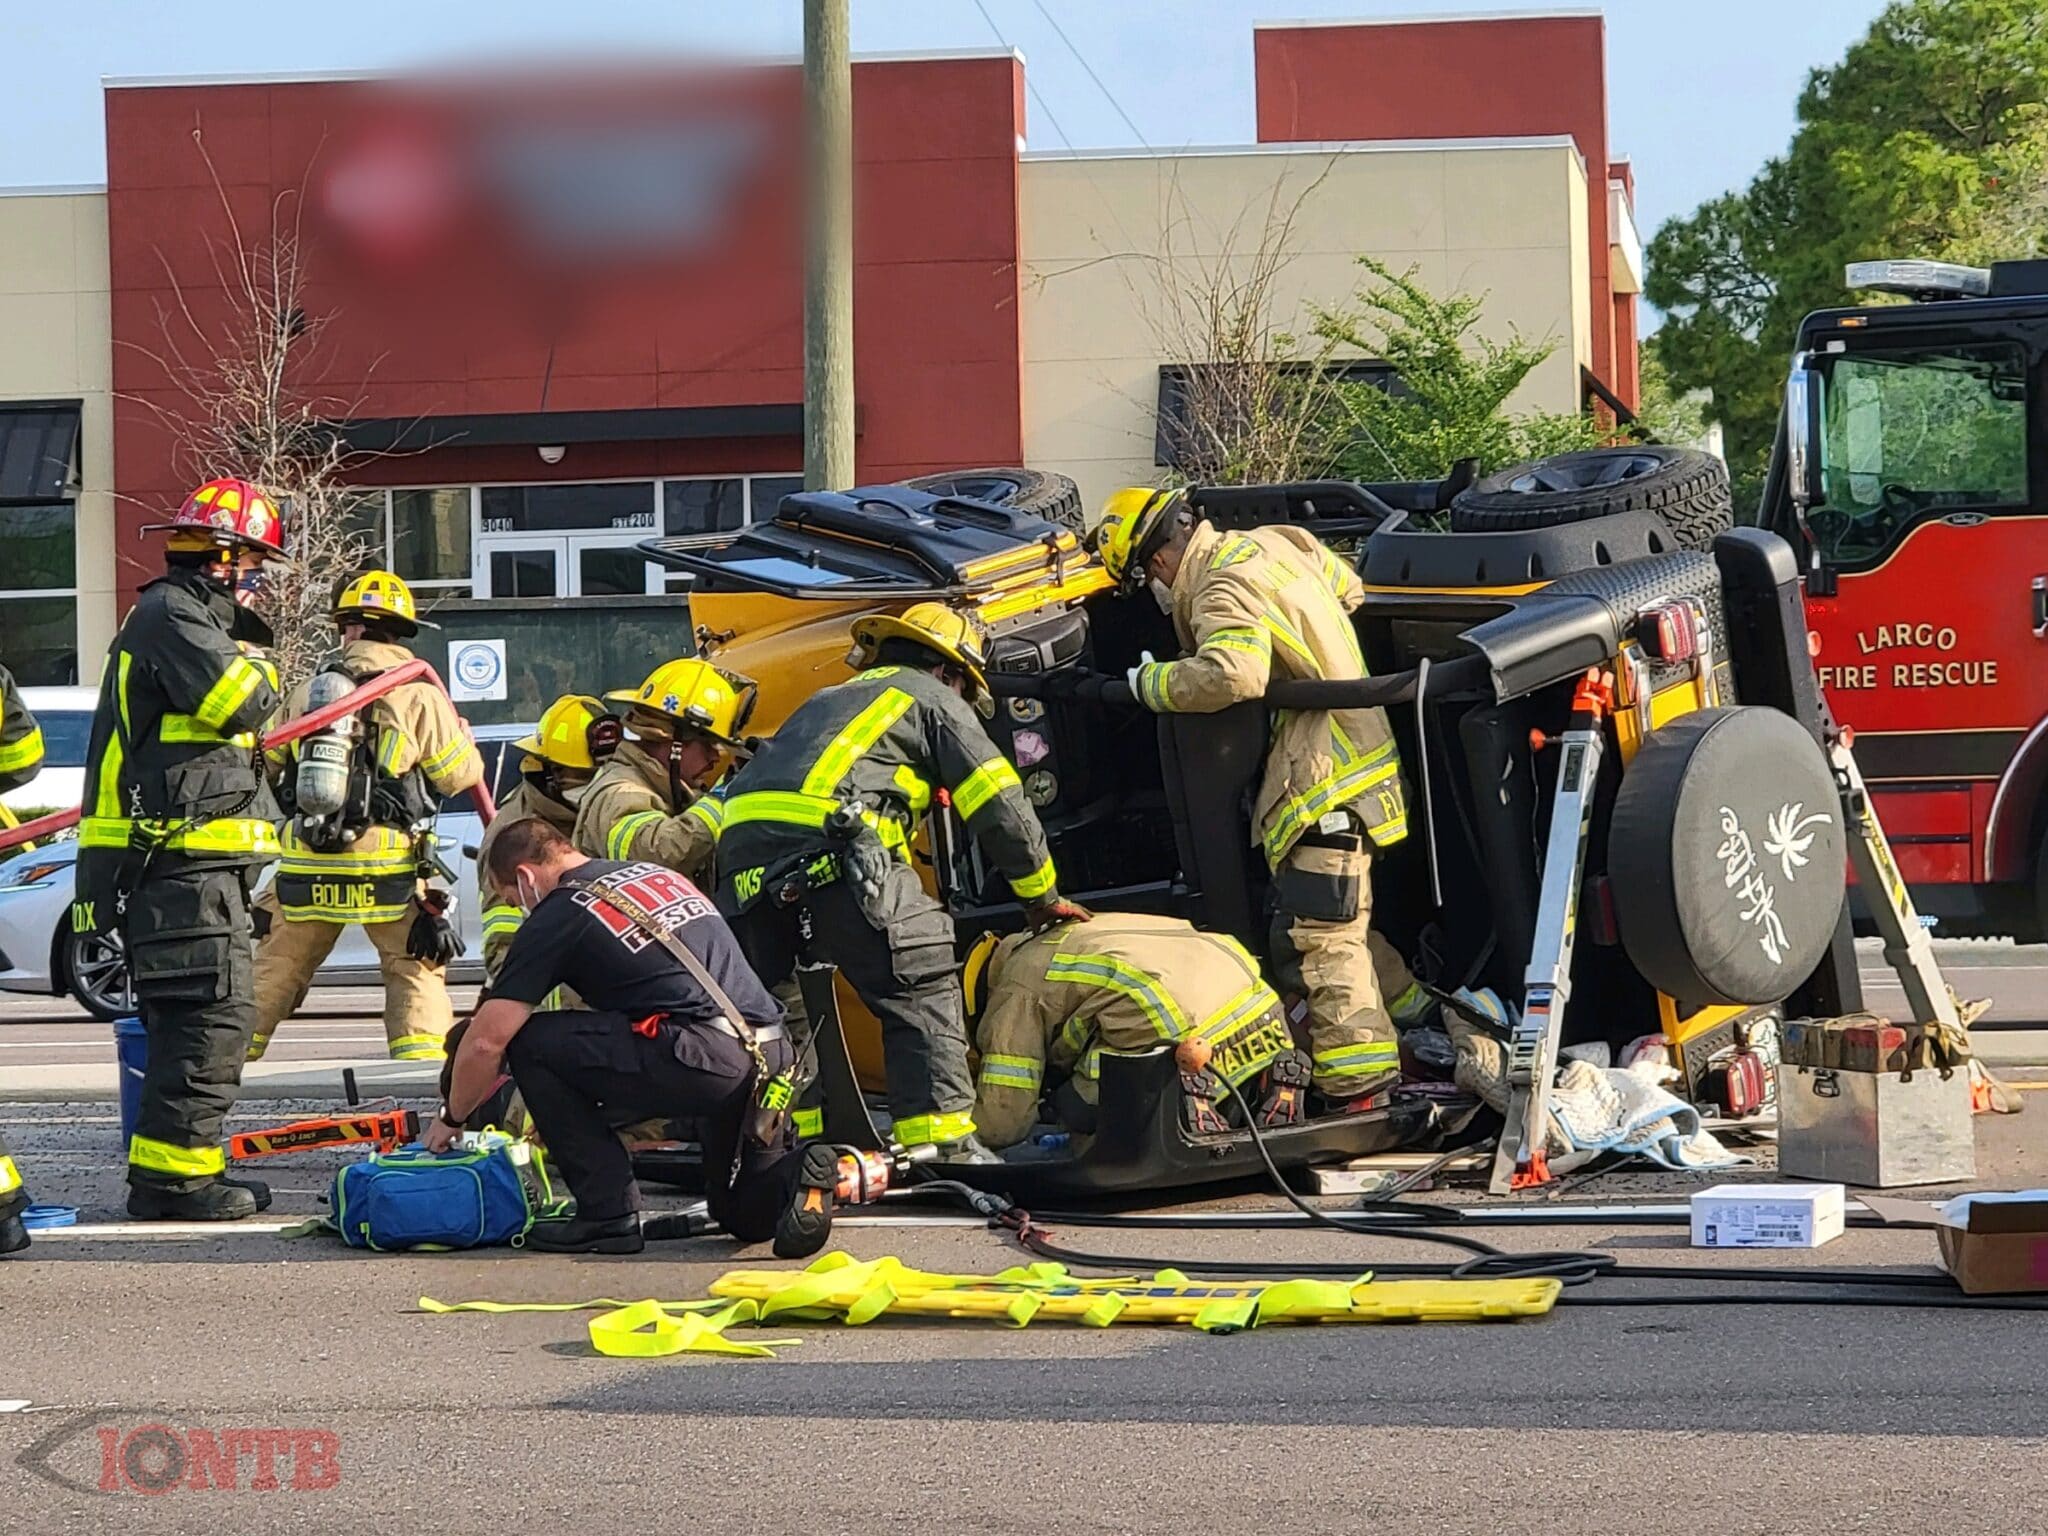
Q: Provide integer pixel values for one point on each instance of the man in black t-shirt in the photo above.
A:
(654, 1041)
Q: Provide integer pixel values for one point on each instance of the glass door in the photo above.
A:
(523, 567)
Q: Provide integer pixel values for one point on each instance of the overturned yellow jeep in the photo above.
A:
(1617, 871)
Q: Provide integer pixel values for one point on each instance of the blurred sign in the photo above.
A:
(476, 670)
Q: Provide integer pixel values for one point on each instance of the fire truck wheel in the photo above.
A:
(1052, 497)
(1686, 488)
(1725, 854)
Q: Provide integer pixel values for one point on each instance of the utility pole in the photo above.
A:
(828, 251)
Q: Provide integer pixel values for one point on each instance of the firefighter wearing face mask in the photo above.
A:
(353, 850)
(1273, 602)
(648, 802)
(576, 736)
(177, 819)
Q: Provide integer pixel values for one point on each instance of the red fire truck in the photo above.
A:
(1911, 470)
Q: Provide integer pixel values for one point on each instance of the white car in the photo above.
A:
(40, 954)
(65, 715)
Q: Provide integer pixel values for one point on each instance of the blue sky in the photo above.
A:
(1699, 94)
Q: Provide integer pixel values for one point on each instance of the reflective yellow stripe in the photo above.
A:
(1342, 787)
(501, 920)
(983, 785)
(1035, 884)
(710, 810)
(852, 743)
(618, 842)
(915, 789)
(1023, 1072)
(17, 755)
(231, 836)
(326, 866)
(1367, 1056)
(1234, 550)
(1127, 980)
(391, 745)
(1290, 637)
(121, 693)
(178, 1162)
(923, 1130)
(190, 728)
(1248, 1004)
(1254, 641)
(233, 690)
(447, 757)
(789, 808)
(1155, 691)
(10, 1176)
(419, 1048)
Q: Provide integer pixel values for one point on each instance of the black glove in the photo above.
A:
(433, 939)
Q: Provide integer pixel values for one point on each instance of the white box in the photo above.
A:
(1767, 1215)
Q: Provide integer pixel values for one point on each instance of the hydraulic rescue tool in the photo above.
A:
(387, 1131)
(1519, 1158)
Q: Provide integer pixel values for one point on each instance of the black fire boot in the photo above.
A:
(1201, 1103)
(258, 1190)
(806, 1222)
(573, 1234)
(1286, 1097)
(13, 1234)
(215, 1200)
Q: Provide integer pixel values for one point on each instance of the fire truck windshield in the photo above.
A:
(1912, 431)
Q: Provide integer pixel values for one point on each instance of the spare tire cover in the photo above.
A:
(1726, 857)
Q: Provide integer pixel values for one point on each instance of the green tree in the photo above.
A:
(1449, 401)
(1928, 139)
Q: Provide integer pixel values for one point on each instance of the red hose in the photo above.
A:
(414, 671)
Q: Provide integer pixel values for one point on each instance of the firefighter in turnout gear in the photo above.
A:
(21, 756)
(177, 819)
(648, 803)
(1247, 607)
(575, 737)
(814, 850)
(358, 803)
(1051, 1004)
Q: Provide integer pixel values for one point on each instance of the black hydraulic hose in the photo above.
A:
(1390, 688)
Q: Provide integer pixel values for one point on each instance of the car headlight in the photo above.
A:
(34, 872)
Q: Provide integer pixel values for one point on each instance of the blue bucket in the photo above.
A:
(131, 1051)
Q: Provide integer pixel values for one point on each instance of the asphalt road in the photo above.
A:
(1676, 1415)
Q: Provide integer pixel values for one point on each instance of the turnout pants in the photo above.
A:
(586, 1074)
(13, 1194)
(417, 1013)
(187, 932)
(1324, 948)
(896, 952)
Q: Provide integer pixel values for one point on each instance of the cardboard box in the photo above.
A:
(1767, 1215)
(1995, 1243)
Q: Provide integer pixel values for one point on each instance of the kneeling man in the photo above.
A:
(675, 1025)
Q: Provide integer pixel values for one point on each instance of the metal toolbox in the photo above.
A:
(1880, 1130)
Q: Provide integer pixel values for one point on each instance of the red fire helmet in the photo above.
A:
(231, 513)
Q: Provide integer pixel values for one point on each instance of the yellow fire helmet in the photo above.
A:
(576, 731)
(1134, 521)
(975, 979)
(695, 696)
(956, 636)
(378, 597)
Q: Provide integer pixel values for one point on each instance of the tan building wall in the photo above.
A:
(55, 330)
(1507, 218)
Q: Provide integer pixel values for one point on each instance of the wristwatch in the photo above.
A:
(448, 1117)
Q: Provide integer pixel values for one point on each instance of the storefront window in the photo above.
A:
(430, 534)
(39, 639)
(610, 572)
(536, 508)
(38, 605)
(703, 506)
(767, 492)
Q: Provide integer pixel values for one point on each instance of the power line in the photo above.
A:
(1029, 84)
(1082, 59)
